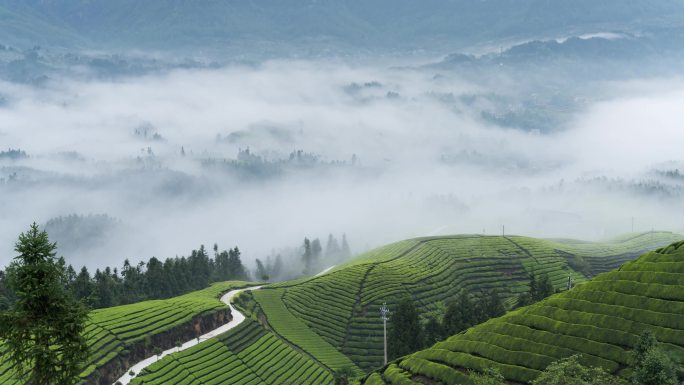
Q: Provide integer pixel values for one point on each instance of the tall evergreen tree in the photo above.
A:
(460, 314)
(261, 271)
(332, 248)
(237, 269)
(307, 256)
(492, 306)
(405, 335)
(5, 292)
(544, 288)
(345, 251)
(82, 288)
(433, 331)
(316, 251)
(277, 267)
(43, 329)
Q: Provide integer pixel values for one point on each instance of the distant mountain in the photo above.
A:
(324, 25)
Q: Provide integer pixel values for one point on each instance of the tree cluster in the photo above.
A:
(272, 269)
(540, 288)
(408, 335)
(313, 257)
(651, 364)
(155, 279)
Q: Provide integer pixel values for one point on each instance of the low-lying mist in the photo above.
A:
(261, 157)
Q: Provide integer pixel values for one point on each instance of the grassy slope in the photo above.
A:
(246, 355)
(110, 331)
(600, 319)
(342, 306)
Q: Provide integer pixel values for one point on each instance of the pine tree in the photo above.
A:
(493, 306)
(6, 296)
(459, 315)
(345, 251)
(43, 329)
(434, 332)
(544, 288)
(405, 334)
(316, 251)
(307, 256)
(332, 248)
(277, 267)
(261, 271)
(82, 287)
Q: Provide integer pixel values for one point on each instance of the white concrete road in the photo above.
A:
(325, 271)
(237, 319)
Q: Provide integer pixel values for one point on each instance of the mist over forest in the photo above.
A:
(131, 150)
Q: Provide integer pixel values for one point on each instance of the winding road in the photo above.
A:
(237, 319)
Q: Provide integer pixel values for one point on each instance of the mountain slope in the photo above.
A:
(245, 355)
(122, 335)
(342, 306)
(330, 24)
(600, 319)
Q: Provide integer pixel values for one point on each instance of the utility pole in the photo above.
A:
(503, 230)
(384, 314)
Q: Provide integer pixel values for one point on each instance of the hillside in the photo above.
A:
(600, 319)
(323, 25)
(245, 355)
(122, 335)
(340, 309)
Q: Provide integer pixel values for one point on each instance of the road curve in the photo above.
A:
(237, 319)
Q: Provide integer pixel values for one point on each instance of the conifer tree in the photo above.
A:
(43, 329)
(307, 256)
(405, 335)
(460, 314)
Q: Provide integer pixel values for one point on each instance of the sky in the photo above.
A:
(426, 162)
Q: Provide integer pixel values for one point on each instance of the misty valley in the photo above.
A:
(303, 192)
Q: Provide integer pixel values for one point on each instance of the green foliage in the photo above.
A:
(344, 375)
(647, 341)
(463, 312)
(569, 371)
(156, 279)
(42, 330)
(433, 331)
(245, 355)
(110, 332)
(460, 314)
(539, 289)
(651, 365)
(405, 332)
(342, 306)
(597, 322)
(307, 256)
(488, 377)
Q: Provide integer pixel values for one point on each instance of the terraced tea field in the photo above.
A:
(112, 331)
(309, 327)
(600, 320)
(246, 355)
(342, 306)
